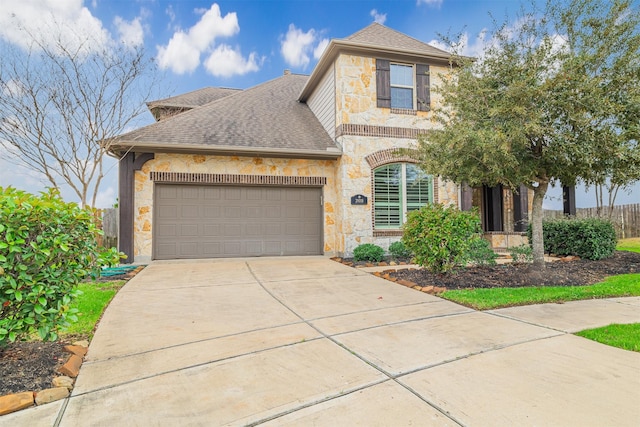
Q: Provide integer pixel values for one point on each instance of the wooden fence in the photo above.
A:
(625, 218)
(108, 221)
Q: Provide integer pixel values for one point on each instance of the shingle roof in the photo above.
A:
(194, 99)
(380, 36)
(267, 118)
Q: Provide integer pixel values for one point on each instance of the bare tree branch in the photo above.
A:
(60, 103)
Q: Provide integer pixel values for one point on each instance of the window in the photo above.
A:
(399, 188)
(403, 86)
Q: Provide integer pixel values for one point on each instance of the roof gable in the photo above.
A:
(377, 35)
(195, 98)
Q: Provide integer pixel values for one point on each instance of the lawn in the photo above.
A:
(91, 303)
(622, 336)
(631, 245)
(485, 299)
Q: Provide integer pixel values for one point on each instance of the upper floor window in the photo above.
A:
(399, 188)
(403, 86)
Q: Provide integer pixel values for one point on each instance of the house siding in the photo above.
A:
(322, 102)
(201, 164)
(372, 130)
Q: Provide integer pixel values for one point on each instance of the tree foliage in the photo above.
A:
(63, 97)
(47, 247)
(553, 97)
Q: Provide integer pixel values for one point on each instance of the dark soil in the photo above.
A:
(558, 273)
(30, 366)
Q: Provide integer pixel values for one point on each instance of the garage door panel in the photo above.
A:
(168, 211)
(201, 221)
(189, 211)
(189, 230)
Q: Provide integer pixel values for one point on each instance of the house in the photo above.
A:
(299, 165)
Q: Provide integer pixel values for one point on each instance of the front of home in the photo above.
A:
(299, 165)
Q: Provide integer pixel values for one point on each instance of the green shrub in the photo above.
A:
(368, 252)
(399, 251)
(441, 237)
(480, 252)
(521, 254)
(47, 246)
(589, 238)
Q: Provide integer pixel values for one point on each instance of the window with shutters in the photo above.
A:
(399, 188)
(403, 86)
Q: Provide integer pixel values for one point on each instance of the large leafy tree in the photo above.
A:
(553, 97)
(64, 93)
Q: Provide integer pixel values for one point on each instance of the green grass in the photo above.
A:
(485, 299)
(94, 299)
(631, 245)
(626, 337)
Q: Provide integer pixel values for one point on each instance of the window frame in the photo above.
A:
(402, 186)
(412, 87)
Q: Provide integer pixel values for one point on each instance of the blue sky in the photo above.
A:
(242, 43)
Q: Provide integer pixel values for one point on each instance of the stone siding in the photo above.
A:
(366, 125)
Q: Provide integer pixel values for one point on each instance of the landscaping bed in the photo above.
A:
(558, 273)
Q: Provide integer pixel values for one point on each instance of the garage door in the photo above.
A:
(206, 221)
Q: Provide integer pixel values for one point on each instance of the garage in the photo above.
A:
(212, 221)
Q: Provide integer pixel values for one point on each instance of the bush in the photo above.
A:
(441, 237)
(521, 254)
(399, 251)
(480, 252)
(47, 246)
(588, 238)
(368, 252)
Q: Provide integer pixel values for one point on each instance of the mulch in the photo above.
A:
(572, 273)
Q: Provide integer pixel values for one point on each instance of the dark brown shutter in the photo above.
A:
(423, 92)
(383, 83)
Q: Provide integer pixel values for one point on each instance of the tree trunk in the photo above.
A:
(536, 224)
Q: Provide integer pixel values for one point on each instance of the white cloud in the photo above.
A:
(380, 18)
(465, 47)
(320, 48)
(50, 21)
(182, 53)
(432, 3)
(131, 33)
(226, 62)
(297, 46)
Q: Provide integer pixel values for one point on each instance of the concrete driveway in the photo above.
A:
(307, 341)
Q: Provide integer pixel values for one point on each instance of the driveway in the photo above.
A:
(307, 341)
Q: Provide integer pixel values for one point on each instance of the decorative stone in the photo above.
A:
(407, 283)
(389, 271)
(15, 402)
(417, 287)
(393, 263)
(83, 343)
(63, 381)
(51, 395)
(438, 290)
(76, 349)
(427, 289)
(368, 264)
(72, 367)
(382, 264)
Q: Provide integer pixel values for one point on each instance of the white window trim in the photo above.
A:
(413, 82)
(402, 187)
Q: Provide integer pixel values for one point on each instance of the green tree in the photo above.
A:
(553, 97)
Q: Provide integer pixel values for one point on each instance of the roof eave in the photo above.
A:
(223, 150)
(337, 46)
